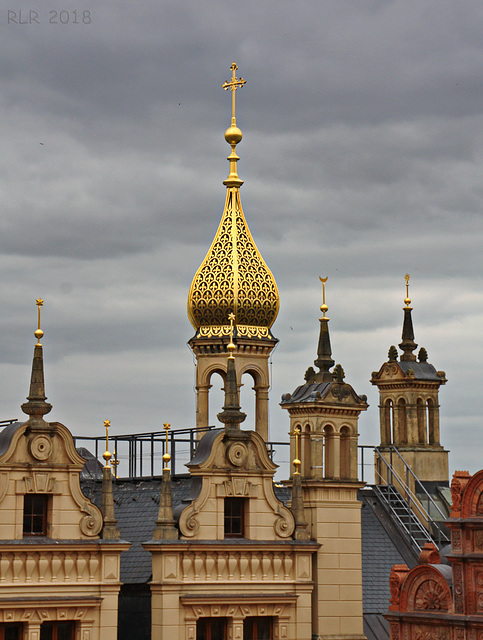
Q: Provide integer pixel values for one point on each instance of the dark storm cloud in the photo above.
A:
(362, 158)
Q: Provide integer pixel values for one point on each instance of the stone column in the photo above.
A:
(202, 405)
(261, 411)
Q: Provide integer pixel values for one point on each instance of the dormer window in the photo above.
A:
(234, 517)
(35, 514)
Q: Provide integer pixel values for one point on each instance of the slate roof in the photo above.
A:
(382, 547)
(422, 370)
(306, 392)
(7, 434)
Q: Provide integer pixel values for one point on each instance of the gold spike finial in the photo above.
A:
(324, 308)
(231, 346)
(296, 462)
(166, 456)
(407, 299)
(107, 455)
(233, 85)
(39, 333)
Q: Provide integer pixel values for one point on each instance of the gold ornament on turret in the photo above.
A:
(296, 462)
(407, 299)
(39, 333)
(233, 277)
(107, 454)
(166, 456)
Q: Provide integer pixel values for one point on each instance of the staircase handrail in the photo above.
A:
(416, 481)
(410, 496)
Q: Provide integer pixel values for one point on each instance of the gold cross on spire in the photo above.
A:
(233, 85)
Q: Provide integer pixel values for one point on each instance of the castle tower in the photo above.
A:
(233, 278)
(409, 406)
(325, 410)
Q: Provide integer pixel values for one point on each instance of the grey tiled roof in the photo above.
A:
(379, 553)
(422, 370)
(136, 506)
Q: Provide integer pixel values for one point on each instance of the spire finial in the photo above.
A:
(324, 351)
(231, 346)
(109, 529)
(233, 85)
(407, 300)
(324, 308)
(233, 135)
(107, 455)
(39, 333)
(166, 456)
(407, 344)
(36, 407)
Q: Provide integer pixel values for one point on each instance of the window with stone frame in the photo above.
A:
(35, 510)
(62, 630)
(210, 629)
(258, 628)
(11, 631)
(235, 517)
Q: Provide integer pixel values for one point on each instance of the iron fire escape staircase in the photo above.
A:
(419, 517)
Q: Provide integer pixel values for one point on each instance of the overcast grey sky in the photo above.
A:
(362, 160)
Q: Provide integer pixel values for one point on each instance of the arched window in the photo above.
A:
(328, 452)
(432, 437)
(387, 423)
(248, 400)
(345, 453)
(402, 422)
(306, 452)
(216, 398)
(421, 413)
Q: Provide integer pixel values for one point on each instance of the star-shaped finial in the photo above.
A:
(407, 299)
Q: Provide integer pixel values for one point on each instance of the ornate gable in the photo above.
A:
(41, 459)
(234, 465)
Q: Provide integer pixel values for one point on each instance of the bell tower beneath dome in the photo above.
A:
(233, 279)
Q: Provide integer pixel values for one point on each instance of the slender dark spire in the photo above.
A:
(165, 524)
(36, 407)
(231, 415)
(407, 345)
(109, 528)
(324, 360)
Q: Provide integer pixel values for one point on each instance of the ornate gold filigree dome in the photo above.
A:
(233, 277)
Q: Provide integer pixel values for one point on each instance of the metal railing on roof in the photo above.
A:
(140, 455)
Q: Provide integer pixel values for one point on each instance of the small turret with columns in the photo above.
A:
(326, 410)
(409, 404)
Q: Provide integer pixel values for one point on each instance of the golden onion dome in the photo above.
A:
(233, 277)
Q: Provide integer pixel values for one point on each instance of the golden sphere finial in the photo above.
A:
(38, 333)
(107, 454)
(166, 456)
(407, 299)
